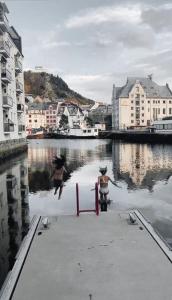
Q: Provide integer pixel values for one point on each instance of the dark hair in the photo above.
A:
(103, 170)
(59, 161)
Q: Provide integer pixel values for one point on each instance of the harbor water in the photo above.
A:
(142, 171)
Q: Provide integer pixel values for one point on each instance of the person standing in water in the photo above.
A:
(103, 181)
(58, 174)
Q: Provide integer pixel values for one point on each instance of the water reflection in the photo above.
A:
(142, 165)
(14, 214)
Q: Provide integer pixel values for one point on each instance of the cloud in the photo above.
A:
(159, 18)
(96, 16)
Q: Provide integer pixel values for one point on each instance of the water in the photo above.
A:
(143, 171)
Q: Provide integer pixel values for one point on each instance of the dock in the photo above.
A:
(111, 256)
(137, 136)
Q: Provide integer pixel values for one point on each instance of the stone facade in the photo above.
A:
(139, 103)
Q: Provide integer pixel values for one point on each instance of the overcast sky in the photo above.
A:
(92, 44)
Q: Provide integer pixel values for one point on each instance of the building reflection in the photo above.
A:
(14, 213)
(141, 165)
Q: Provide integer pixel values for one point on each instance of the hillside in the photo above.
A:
(49, 86)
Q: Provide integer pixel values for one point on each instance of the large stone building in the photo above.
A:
(12, 108)
(140, 102)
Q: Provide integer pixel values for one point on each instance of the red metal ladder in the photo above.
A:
(96, 209)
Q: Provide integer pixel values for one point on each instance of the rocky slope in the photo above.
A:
(49, 86)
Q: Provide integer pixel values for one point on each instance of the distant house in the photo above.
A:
(51, 115)
(140, 102)
(74, 114)
(35, 116)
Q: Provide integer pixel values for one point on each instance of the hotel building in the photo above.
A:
(12, 103)
(140, 102)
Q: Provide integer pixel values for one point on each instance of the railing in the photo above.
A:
(96, 209)
(8, 127)
(21, 128)
(18, 65)
(6, 74)
(19, 87)
(4, 48)
(20, 107)
(7, 101)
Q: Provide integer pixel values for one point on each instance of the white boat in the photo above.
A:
(163, 126)
(91, 132)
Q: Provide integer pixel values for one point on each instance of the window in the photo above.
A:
(35, 121)
(142, 108)
(163, 101)
(148, 101)
(158, 111)
(163, 111)
(132, 121)
(137, 102)
(132, 115)
(142, 101)
(170, 111)
(84, 131)
(132, 107)
(131, 101)
(142, 115)
(89, 130)
(142, 96)
(142, 121)
(148, 110)
(170, 101)
(30, 121)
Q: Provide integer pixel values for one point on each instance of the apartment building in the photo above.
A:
(35, 116)
(12, 111)
(140, 102)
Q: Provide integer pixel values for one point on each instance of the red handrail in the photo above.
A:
(96, 210)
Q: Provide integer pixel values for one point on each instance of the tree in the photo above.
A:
(64, 121)
(89, 122)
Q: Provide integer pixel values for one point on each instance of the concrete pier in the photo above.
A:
(93, 257)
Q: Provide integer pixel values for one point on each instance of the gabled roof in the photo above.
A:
(152, 89)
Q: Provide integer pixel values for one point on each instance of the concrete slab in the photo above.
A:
(98, 258)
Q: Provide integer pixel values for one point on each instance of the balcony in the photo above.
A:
(20, 108)
(19, 87)
(8, 127)
(11, 181)
(18, 66)
(21, 128)
(6, 75)
(7, 101)
(4, 49)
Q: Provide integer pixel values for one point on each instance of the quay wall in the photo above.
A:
(12, 148)
(138, 137)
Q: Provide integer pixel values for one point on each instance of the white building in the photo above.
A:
(35, 116)
(12, 101)
(74, 113)
(139, 103)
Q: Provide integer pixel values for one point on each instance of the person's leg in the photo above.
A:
(56, 189)
(60, 191)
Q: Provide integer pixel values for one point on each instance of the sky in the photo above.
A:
(93, 44)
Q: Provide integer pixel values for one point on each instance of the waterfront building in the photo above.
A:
(35, 116)
(74, 114)
(51, 115)
(12, 100)
(102, 114)
(139, 103)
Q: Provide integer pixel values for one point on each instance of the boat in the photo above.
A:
(35, 134)
(87, 133)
